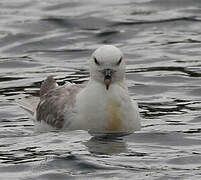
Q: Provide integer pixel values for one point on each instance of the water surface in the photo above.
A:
(161, 41)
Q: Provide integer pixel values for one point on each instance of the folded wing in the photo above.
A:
(57, 104)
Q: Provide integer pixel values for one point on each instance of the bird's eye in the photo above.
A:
(119, 62)
(96, 61)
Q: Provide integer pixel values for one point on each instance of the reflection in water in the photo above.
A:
(104, 145)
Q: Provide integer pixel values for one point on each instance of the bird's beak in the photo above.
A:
(107, 77)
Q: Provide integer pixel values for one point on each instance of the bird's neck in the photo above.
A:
(120, 84)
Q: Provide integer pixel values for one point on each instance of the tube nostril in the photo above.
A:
(108, 73)
(108, 77)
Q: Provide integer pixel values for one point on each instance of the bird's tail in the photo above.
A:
(29, 104)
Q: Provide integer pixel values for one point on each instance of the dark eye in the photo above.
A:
(96, 61)
(119, 62)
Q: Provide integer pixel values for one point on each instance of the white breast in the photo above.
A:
(106, 110)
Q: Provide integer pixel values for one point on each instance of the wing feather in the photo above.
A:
(57, 104)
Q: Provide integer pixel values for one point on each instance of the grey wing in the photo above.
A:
(48, 85)
(55, 104)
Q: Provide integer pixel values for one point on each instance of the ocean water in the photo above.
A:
(161, 40)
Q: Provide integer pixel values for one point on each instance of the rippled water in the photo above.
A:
(161, 40)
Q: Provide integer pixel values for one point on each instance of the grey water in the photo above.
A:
(161, 40)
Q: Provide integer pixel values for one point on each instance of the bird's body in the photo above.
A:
(103, 104)
(106, 110)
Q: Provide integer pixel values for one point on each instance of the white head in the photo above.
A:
(107, 65)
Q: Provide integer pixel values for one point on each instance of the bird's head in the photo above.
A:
(107, 65)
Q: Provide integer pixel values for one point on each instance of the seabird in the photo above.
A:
(102, 104)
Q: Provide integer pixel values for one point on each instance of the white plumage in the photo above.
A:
(103, 104)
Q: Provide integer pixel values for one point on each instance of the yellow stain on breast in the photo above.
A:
(122, 84)
(114, 116)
